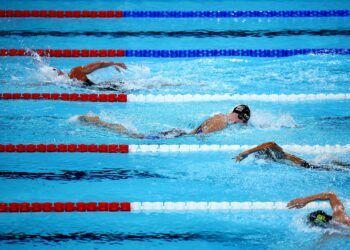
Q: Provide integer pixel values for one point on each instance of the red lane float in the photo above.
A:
(66, 97)
(64, 53)
(62, 13)
(64, 148)
(25, 207)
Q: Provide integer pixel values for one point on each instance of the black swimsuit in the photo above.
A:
(173, 133)
(88, 82)
(199, 130)
(103, 87)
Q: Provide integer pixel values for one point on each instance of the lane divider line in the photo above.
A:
(23, 207)
(173, 98)
(155, 148)
(171, 14)
(174, 53)
(64, 148)
(47, 207)
(183, 148)
(65, 97)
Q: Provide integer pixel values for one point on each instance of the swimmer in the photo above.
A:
(240, 114)
(80, 73)
(320, 218)
(272, 151)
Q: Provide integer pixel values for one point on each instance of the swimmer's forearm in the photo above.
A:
(267, 145)
(297, 160)
(332, 197)
(99, 65)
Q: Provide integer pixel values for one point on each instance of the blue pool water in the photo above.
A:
(196, 176)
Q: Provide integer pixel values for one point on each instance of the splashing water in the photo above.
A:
(267, 120)
(139, 77)
(43, 73)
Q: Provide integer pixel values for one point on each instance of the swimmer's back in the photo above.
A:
(215, 123)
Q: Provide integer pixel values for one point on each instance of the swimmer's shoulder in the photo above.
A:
(220, 116)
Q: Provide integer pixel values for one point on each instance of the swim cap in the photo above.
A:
(319, 218)
(243, 112)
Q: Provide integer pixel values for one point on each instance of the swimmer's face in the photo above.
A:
(59, 72)
(238, 119)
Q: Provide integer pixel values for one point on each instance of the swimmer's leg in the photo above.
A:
(341, 164)
(113, 126)
(173, 133)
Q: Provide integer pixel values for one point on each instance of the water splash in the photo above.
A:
(265, 120)
(43, 73)
(73, 119)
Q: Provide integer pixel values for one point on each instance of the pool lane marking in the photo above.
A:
(46, 207)
(155, 148)
(172, 14)
(82, 97)
(192, 53)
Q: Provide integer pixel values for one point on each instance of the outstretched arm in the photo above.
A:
(87, 69)
(116, 127)
(266, 145)
(336, 205)
(275, 147)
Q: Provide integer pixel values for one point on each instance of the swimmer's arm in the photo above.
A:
(267, 145)
(87, 69)
(336, 204)
(116, 127)
(296, 160)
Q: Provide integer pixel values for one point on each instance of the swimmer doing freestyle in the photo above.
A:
(240, 114)
(272, 151)
(320, 218)
(80, 73)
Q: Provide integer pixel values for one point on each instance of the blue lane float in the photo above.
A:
(234, 52)
(236, 14)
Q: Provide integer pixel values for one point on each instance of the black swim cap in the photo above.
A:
(319, 218)
(243, 112)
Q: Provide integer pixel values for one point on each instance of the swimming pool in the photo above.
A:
(169, 176)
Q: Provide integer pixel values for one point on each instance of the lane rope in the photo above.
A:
(173, 98)
(156, 148)
(64, 148)
(182, 148)
(25, 207)
(174, 53)
(171, 14)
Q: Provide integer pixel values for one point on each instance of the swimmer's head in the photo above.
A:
(243, 112)
(319, 218)
(59, 72)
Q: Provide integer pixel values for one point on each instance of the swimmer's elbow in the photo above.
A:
(270, 144)
(332, 194)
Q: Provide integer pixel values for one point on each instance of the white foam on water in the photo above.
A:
(265, 120)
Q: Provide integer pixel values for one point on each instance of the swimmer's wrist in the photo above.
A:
(305, 164)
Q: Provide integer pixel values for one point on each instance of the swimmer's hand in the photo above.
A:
(119, 66)
(297, 203)
(297, 126)
(88, 118)
(241, 157)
